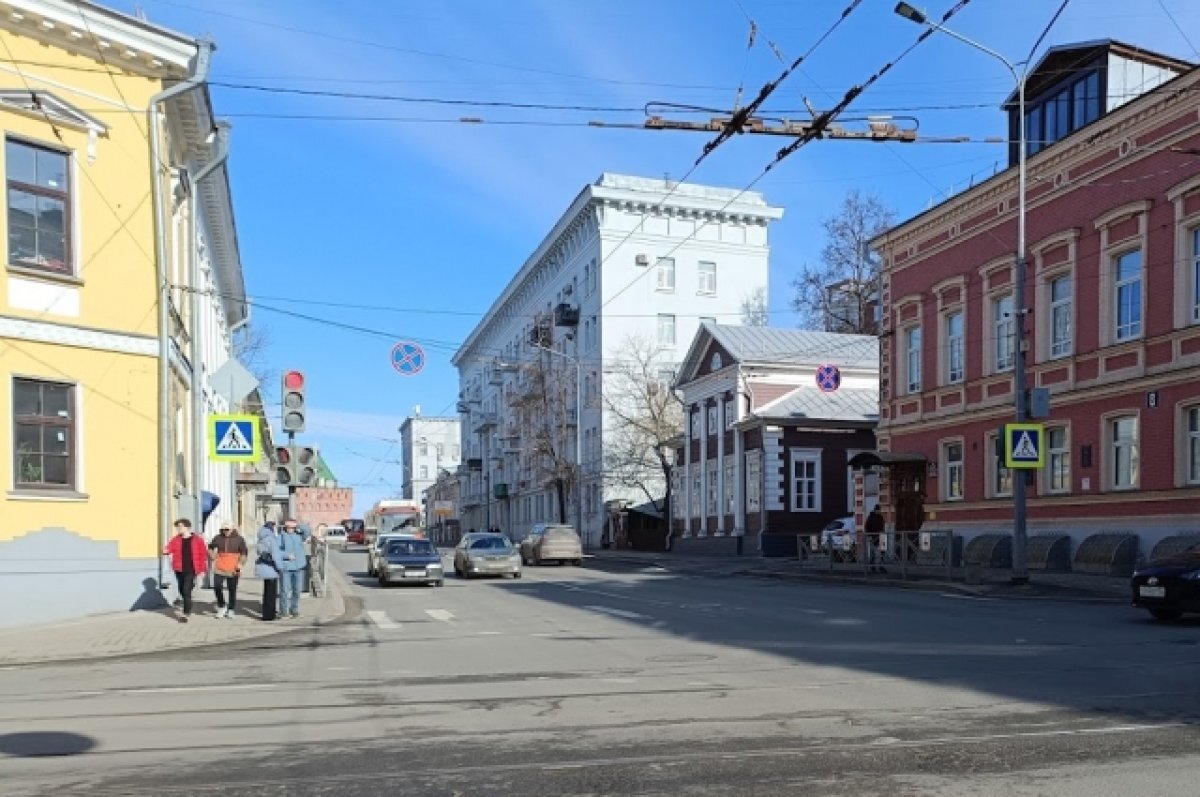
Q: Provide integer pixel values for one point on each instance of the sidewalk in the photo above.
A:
(157, 630)
(982, 583)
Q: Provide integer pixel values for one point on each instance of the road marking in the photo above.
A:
(381, 620)
(339, 669)
(440, 614)
(490, 633)
(617, 612)
(966, 597)
(815, 611)
(167, 690)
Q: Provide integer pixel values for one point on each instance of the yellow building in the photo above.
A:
(91, 243)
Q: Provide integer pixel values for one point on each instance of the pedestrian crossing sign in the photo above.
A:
(1024, 445)
(233, 438)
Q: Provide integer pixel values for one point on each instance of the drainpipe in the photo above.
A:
(204, 50)
(220, 153)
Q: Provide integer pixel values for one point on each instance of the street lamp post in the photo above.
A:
(1020, 573)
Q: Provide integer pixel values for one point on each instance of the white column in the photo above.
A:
(686, 487)
(703, 470)
(720, 466)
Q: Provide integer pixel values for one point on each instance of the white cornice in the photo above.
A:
(81, 337)
(89, 29)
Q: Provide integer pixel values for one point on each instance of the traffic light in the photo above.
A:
(306, 466)
(285, 466)
(294, 410)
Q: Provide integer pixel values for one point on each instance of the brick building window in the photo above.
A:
(1195, 273)
(1058, 460)
(39, 202)
(1000, 476)
(1123, 452)
(952, 471)
(1061, 333)
(44, 435)
(806, 480)
(710, 504)
(696, 491)
(955, 360)
(912, 360)
(713, 427)
(753, 481)
(1127, 295)
(728, 492)
(1002, 331)
(1191, 445)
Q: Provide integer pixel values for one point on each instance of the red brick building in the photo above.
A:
(1113, 311)
(329, 505)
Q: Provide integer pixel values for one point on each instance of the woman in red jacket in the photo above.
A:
(189, 557)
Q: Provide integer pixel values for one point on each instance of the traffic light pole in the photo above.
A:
(291, 502)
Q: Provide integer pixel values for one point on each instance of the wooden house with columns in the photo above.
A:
(771, 419)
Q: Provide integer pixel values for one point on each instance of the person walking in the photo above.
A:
(291, 563)
(265, 567)
(188, 558)
(228, 552)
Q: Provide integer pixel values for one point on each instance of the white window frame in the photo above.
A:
(706, 274)
(1195, 286)
(805, 457)
(1191, 444)
(753, 481)
(956, 353)
(1061, 308)
(664, 277)
(713, 427)
(1003, 329)
(1122, 450)
(695, 425)
(730, 414)
(666, 321)
(912, 359)
(953, 471)
(1058, 461)
(728, 484)
(697, 484)
(1132, 329)
(424, 472)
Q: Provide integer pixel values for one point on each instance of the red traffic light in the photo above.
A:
(293, 380)
(282, 455)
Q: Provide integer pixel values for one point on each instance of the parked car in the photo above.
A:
(374, 551)
(548, 542)
(1169, 586)
(485, 554)
(335, 536)
(838, 535)
(356, 531)
(409, 560)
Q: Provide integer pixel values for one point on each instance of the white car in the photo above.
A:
(838, 535)
(335, 536)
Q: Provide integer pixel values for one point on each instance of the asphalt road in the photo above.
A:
(616, 679)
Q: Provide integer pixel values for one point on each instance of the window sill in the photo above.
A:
(41, 274)
(706, 293)
(47, 495)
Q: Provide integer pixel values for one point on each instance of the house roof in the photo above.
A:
(848, 405)
(783, 346)
(1063, 58)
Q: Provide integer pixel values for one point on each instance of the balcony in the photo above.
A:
(566, 315)
(485, 421)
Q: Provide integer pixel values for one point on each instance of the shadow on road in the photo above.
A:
(45, 744)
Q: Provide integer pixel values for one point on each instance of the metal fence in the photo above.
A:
(909, 554)
(316, 568)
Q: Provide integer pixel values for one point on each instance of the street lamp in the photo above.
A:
(1020, 573)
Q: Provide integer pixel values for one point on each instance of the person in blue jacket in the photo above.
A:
(291, 561)
(266, 548)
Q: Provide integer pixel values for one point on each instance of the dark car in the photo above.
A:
(356, 531)
(1170, 586)
(409, 560)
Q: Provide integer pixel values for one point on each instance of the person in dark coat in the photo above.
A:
(267, 548)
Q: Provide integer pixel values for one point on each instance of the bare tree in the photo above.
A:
(544, 400)
(754, 308)
(646, 415)
(841, 293)
(250, 346)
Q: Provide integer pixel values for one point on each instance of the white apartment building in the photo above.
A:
(430, 445)
(632, 258)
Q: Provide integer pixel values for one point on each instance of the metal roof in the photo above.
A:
(848, 405)
(751, 344)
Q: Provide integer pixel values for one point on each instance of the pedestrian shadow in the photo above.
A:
(151, 599)
(44, 744)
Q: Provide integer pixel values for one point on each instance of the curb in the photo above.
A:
(351, 609)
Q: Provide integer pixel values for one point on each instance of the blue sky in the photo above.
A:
(387, 216)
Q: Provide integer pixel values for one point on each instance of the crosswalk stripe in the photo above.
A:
(381, 620)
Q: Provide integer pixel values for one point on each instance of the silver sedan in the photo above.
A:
(486, 554)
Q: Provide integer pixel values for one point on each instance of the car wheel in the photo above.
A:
(439, 583)
(1166, 614)
(383, 582)
(517, 574)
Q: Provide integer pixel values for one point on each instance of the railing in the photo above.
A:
(317, 563)
(911, 554)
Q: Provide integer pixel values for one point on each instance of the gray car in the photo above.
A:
(486, 554)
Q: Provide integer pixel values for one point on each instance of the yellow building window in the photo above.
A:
(39, 202)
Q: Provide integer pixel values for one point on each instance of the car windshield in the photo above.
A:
(490, 543)
(408, 547)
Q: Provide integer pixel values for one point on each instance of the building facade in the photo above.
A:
(430, 445)
(632, 262)
(1112, 316)
(101, 454)
(329, 505)
(769, 430)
